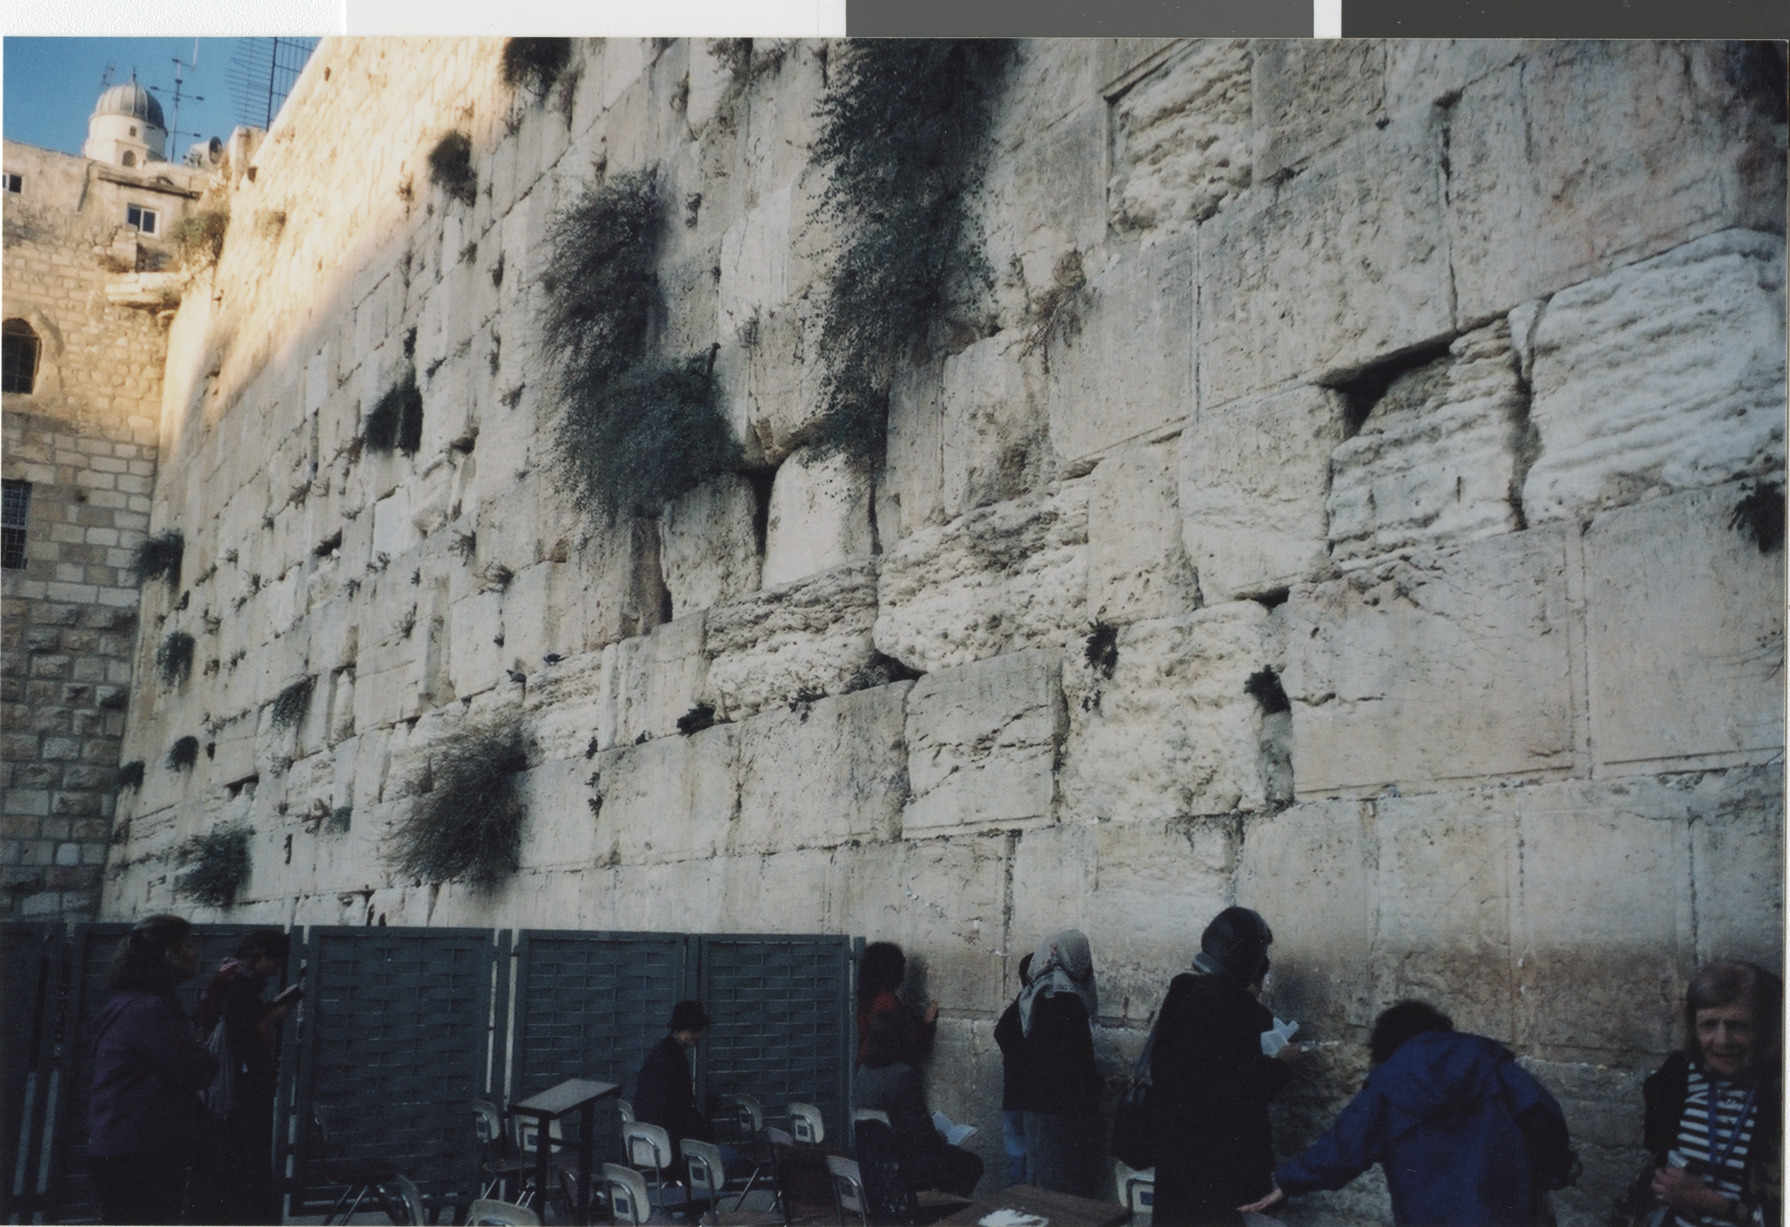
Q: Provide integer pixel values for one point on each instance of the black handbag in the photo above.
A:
(1134, 1118)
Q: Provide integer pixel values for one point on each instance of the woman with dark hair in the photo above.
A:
(1047, 1038)
(1715, 1111)
(1466, 1136)
(888, 1083)
(880, 973)
(148, 1071)
(237, 1178)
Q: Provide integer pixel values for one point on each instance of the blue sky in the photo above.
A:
(52, 83)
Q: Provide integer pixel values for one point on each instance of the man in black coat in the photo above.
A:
(1215, 1148)
(665, 1092)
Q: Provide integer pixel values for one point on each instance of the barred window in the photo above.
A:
(19, 350)
(143, 219)
(15, 507)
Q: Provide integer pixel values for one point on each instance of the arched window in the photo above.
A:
(19, 351)
(130, 159)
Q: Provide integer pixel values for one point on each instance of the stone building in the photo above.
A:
(85, 330)
(1355, 494)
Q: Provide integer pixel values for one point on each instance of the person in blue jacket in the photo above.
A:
(1466, 1136)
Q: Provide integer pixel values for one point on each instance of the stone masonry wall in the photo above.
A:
(1358, 535)
(85, 438)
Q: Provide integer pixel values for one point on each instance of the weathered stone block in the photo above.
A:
(1587, 155)
(804, 639)
(1181, 137)
(755, 261)
(1737, 855)
(1254, 475)
(982, 744)
(819, 518)
(1435, 462)
(1439, 667)
(1001, 578)
(1172, 732)
(666, 800)
(611, 589)
(1685, 622)
(708, 547)
(1428, 71)
(658, 679)
(823, 773)
(1311, 95)
(1137, 567)
(1125, 366)
(1665, 375)
(1345, 265)
(560, 830)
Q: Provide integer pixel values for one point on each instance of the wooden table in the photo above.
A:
(1061, 1209)
(572, 1095)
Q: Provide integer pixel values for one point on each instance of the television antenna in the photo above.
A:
(181, 68)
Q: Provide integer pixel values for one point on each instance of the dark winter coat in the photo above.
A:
(1052, 1070)
(665, 1095)
(1215, 1148)
(1466, 1136)
(1665, 1092)
(148, 1070)
(927, 1160)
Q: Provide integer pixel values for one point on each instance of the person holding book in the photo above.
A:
(887, 1083)
(1047, 1037)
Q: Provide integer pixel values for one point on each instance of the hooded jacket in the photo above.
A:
(1467, 1137)
(148, 1070)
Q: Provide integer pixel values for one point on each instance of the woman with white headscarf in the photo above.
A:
(1049, 1029)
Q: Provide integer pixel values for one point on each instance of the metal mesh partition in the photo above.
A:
(782, 1021)
(31, 964)
(399, 1034)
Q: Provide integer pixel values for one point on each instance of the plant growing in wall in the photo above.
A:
(158, 557)
(467, 824)
(174, 658)
(637, 428)
(131, 775)
(902, 135)
(450, 167)
(535, 63)
(293, 703)
(396, 420)
(198, 238)
(183, 754)
(220, 866)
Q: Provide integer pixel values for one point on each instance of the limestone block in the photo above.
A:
(476, 661)
(823, 773)
(669, 799)
(1310, 96)
(1346, 264)
(1310, 871)
(708, 547)
(790, 892)
(803, 639)
(1042, 198)
(1439, 667)
(1125, 366)
(560, 829)
(1172, 732)
(384, 696)
(532, 620)
(1665, 375)
(1737, 856)
(755, 260)
(770, 374)
(982, 743)
(1002, 578)
(1137, 567)
(940, 900)
(819, 518)
(394, 529)
(1141, 891)
(1607, 917)
(1435, 462)
(1181, 137)
(1428, 71)
(611, 588)
(1685, 621)
(571, 705)
(1254, 475)
(1447, 871)
(658, 679)
(1588, 155)
(710, 79)
(992, 430)
(911, 493)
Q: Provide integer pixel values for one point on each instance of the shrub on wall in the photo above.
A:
(535, 63)
(158, 557)
(220, 866)
(467, 824)
(902, 133)
(293, 702)
(131, 775)
(183, 754)
(198, 238)
(396, 420)
(174, 658)
(637, 429)
(450, 167)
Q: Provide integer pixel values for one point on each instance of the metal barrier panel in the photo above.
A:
(31, 972)
(399, 1037)
(590, 1005)
(782, 1022)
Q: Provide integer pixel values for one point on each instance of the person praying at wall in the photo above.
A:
(1046, 1037)
(888, 1083)
(880, 974)
(1466, 1136)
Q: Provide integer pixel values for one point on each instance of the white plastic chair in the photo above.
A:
(805, 1123)
(626, 1190)
(648, 1149)
(488, 1213)
(848, 1189)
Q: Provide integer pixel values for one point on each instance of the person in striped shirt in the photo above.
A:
(1714, 1119)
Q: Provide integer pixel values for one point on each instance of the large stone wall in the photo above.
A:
(85, 437)
(1419, 381)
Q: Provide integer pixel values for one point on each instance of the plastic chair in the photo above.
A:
(648, 1148)
(860, 1115)
(804, 1187)
(625, 1108)
(743, 1114)
(886, 1190)
(486, 1212)
(709, 1182)
(403, 1201)
(498, 1166)
(1139, 1195)
(625, 1188)
(848, 1189)
(805, 1124)
(359, 1182)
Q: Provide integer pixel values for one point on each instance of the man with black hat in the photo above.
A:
(665, 1093)
(1212, 1083)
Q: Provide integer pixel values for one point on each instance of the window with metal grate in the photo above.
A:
(16, 504)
